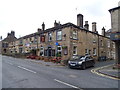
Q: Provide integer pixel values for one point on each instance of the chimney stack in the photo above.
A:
(43, 26)
(94, 29)
(86, 26)
(80, 20)
(12, 33)
(55, 23)
(103, 31)
(39, 30)
(8, 34)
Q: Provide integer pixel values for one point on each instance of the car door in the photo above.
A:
(87, 61)
(91, 61)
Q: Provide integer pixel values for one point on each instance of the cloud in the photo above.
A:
(25, 16)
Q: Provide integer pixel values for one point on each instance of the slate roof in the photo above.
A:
(57, 28)
(114, 8)
(9, 39)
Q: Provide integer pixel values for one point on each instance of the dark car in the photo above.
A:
(81, 62)
(102, 58)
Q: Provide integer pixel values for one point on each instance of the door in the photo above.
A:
(49, 51)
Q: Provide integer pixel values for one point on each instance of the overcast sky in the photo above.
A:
(25, 16)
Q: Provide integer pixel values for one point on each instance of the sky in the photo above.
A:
(26, 16)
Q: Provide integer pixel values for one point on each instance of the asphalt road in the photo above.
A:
(22, 73)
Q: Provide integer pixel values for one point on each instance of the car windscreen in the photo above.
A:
(76, 57)
(82, 58)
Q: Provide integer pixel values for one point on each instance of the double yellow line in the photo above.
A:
(104, 75)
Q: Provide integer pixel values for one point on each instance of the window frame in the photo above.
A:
(42, 51)
(75, 49)
(75, 34)
(58, 37)
(94, 51)
(50, 36)
(59, 50)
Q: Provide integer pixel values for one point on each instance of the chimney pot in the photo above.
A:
(43, 26)
(103, 31)
(80, 20)
(86, 26)
(94, 29)
(12, 33)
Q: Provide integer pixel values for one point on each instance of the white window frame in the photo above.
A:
(59, 35)
(108, 43)
(75, 35)
(59, 50)
(49, 36)
(86, 51)
(94, 51)
(42, 50)
(75, 50)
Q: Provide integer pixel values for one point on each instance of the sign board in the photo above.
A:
(56, 43)
(115, 36)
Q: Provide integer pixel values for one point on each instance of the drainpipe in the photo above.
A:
(98, 47)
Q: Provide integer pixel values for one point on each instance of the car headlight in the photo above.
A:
(80, 63)
(68, 61)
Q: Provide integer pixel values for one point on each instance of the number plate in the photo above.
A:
(72, 64)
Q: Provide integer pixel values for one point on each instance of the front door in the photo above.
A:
(49, 51)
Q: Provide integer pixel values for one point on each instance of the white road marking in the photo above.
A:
(9, 63)
(67, 84)
(26, 69)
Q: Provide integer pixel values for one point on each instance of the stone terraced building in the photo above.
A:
(66, 40)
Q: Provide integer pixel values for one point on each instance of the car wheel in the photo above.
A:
(83, 67)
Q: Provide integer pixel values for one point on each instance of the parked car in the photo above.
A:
(102, 58)
(81, 62)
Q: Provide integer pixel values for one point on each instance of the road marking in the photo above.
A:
(9, 63)
(26, 69)
(104, 75)
(72, 76)
(67, 84)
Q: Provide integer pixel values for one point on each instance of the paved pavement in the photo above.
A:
(108, 70)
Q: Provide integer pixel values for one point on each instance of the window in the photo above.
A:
(4, 45)
(74, 50)
(74, 34)
(53, 52)
(94, 51)
(65, 50)
(86, 51)
(59, 51)
(108, 43)
(49, 36)
(21, 42)
(20, 50)
(42, 39)
(42, 51)
(45, 53)
(89, 52)
(113, 45)
(101, 42)
(59, 35)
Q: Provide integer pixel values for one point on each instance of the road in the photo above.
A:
(22, 73)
